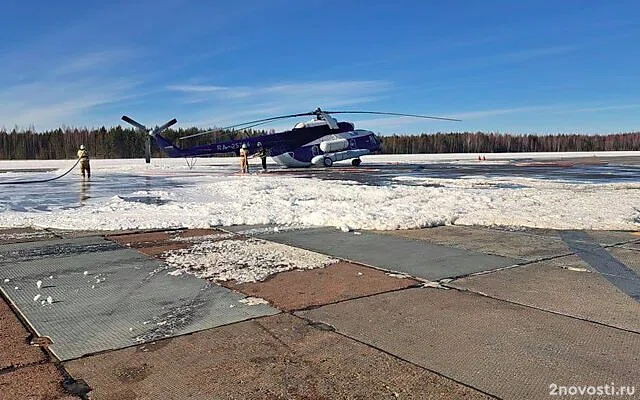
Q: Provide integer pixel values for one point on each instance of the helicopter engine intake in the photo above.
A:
(331, 146)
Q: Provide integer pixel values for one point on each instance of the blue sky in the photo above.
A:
(567, 66)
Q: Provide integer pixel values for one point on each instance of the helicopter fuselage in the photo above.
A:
(301, 146)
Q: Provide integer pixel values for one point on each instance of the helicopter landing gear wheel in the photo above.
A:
(355, 162)
(327, 162)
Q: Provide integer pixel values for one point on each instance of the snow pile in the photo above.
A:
(247, 260)
(221, 199)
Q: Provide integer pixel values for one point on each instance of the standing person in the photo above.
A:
(262, 153)
(83, 155)
(244, 162)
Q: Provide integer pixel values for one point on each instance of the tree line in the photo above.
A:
(118, 142)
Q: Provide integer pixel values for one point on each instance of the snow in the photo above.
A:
(248, 260)
(253, 301)
(213, 195)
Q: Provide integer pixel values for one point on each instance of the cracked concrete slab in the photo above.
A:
(278, 357)
(565, 285)
(490, 241)
(294, 290)
(413, 257)
(507, 350)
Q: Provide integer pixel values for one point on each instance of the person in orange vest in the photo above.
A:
(83, 155)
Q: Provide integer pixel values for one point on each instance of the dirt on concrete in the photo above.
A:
(299, 289)
(37, 382)
(277, 357)
(155, 243)
(14, 341)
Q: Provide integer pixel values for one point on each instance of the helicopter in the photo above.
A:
(321, 141)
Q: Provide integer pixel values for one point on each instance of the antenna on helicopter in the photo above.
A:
(320, 115)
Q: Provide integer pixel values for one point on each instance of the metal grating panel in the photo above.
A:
(136, 302)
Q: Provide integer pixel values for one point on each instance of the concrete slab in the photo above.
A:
(18, 235)
(629, 257)
(279, 357)
(125, 298)
(16, 350)
(631, 246)
(507, 350)
(610, 238)
(566, 285)
(490, 241)
(295, 290)
(611, 267)
(413, 257)
(41, 381)
(604, 238)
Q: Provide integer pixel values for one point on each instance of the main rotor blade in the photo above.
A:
(198, 134)
(252, 123)
(390, 113)
(269, 119)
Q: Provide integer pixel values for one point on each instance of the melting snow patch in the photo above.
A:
(252, 301)
(433, 284)
(400, 276)
(198, 239)
(576, 269)
(247, 260)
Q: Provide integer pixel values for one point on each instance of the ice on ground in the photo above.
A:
(243, 261)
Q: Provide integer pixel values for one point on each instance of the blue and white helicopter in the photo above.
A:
(321, 141)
